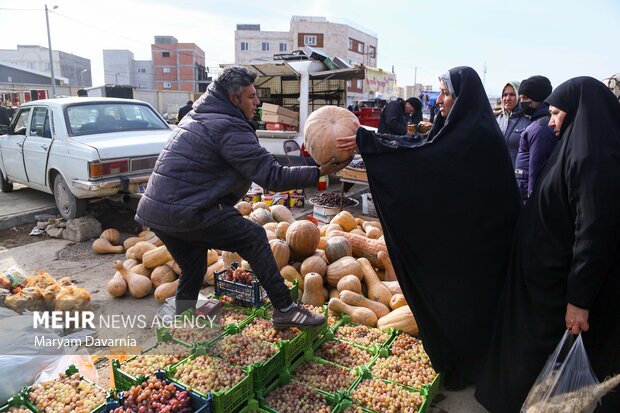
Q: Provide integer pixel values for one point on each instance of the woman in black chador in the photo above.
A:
(448, 203)
(565, 265)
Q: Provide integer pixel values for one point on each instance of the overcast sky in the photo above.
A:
(515, 39)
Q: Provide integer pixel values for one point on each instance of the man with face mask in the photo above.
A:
(537, 140)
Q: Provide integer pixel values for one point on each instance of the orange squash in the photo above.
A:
(340, 268)
(322, 128)
(112, 235)
(401, 319)
(376, 291)
(346, 220)
(361, 315)
(362, 246)
(303, 238)
(390, 274)
(336, 248)
(162, 275)
(281, 229)
(281, 252)
(282, 214)
(103, 246)
(313, 263)
(289, 273)
(261, 216)
(245, 208)
(350, 283)
(139, 285)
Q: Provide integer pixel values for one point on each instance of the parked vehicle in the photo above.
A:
(82, 148)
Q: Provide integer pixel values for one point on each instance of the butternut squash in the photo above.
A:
(358, 231)
(402, 319)
(390, 274)
(321, 254)
(313, 264)
(281, 229)
(112, 235)
(230, 257)
(166, 290)
(156, 257)
(245, 208)
(325, 295)
(139, 285)
(162, 275)
(368, 226)
(358, 300)
(138, 250)
(141, 269)
(372, 232)
(117, 286)
(363, 247)
(376, 291)
(351, 283)
(246, 265)
(147, 235)
(340, 268)
(128, 263)
(129, 253)
(322, 243)
(345, 219)
(332, 227)
(103, 246)
(393, 286)
(361, 315)
(212, 257)
(281, 252)
(397, 300)
(333, 293)
(175, 267)
(313, 290)
(282, 214)
(131, 241)
(289, 273)
(209, 279)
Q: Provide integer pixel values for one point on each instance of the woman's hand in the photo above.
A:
(347, 144)
(576, 319)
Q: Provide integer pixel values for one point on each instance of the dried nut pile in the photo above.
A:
(362, 335)
(155, 395)
(243, 350)
(331, 199)
(156, 358)
(297, 398)
(263, 329)
(344, 354)
(386, 397)
(206, 374)
(326, 377)
(404, 371)
(66, 394)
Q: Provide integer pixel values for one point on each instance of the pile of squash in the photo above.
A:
(345, 263)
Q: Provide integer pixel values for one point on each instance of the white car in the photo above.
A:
(82, 148)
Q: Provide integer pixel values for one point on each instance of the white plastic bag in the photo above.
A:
(567, 383)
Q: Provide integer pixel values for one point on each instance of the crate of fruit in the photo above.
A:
(190, 330)
(264, 359)
(230, 386)
(375, 395)
(344, 354)
(15, 404)
(324, 376)
(69, 392)
(361, 335)
(290, 397)
(160, 394)
(291, 341)
(165, 353)
(240, 284)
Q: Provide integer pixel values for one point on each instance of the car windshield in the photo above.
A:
(87, 119)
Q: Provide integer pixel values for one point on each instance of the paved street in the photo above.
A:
(21, 205)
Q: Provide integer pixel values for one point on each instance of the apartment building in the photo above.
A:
(75, 69)
(346, 40)
(178, 66)
(120, 68)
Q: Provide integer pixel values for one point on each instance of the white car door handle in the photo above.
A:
(44, 147)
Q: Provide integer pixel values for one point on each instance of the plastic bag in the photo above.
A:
(567, 383)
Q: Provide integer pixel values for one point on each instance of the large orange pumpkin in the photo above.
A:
(303, 238)
(323, 127)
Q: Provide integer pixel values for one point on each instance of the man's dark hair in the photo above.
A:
(234, 78)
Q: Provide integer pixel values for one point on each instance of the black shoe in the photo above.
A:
(298, 316)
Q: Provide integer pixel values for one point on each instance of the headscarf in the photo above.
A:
(504, 115)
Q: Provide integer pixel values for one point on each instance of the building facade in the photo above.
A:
(346, 40)
(178, 66)
(120, 68)
(75, 69)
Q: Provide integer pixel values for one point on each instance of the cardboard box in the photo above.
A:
(268, 107)
(276, 118)
(357, 174)
(324, 214)
(276, 199)
(279, 126)
(296, 201)
(251, 197)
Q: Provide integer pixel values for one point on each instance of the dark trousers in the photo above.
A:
(234, 234)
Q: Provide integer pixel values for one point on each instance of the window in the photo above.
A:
(283, 47)
(360, 47)
(310, 40)
(165, 54)
(372, 52)
(167, 85)
(265, 46)
(40, 124)
(20, 125)
(166, 70)
(141, 70)
(348, 83)
(350, 44)
(245, 46)
(360, 83)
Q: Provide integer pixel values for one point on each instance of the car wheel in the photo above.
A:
(5, 185)
(68, 205)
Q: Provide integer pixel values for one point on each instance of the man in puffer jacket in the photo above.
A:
(538, 139)
(205, 168)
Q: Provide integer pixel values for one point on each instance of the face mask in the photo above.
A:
(527, 109)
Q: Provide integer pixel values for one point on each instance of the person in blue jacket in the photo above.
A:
(537, 140)
(510, 119)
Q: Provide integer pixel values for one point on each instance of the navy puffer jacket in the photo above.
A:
(208, 164)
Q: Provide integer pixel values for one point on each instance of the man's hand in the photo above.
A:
(576, 319)
(331, 167)
(347, 144)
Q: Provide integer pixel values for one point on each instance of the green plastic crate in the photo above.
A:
(16, 400)
(309, 356)
(333, 401)
(376, 347)
(223, 402)
(162, 332)
(375, 352)
(366, 375)
(69, 371)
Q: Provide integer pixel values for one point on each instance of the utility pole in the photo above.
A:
(49, 47)
(415, 81)
(484, 75)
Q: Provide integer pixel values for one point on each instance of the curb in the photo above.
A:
(10, 221)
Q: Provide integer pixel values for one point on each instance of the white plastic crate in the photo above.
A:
(368, 206)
